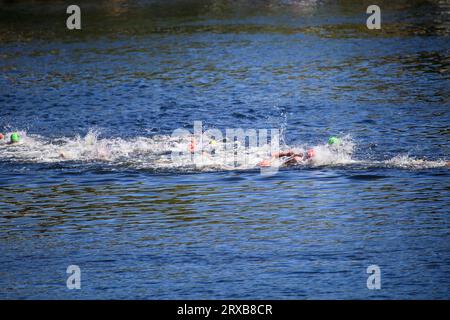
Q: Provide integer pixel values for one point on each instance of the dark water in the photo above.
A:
(138, 229)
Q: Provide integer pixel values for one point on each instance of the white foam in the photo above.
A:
(156, 153)
(339, 154)
(407, 162)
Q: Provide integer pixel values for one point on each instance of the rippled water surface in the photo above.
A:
(92, 183)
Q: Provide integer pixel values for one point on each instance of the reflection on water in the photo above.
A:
(136, 18)
(223, 232)
(140, 69)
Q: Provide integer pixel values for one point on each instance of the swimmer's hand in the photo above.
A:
(265, 163)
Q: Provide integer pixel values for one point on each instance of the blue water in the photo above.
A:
(143, 228)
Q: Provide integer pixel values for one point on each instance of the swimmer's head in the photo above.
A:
(2, 136)
(15, 137)
(334, 141)
(192, 146)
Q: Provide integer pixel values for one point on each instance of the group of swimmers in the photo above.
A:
(288, 158)
(13, 138)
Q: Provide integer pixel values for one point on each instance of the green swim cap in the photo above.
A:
(15, 137)
(333, 140)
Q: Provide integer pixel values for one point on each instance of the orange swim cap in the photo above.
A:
(192, 145)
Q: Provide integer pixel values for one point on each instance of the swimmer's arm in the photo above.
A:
(289, 153)
(277, 155)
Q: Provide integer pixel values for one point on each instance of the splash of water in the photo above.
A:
(156, 153)
(407, 162)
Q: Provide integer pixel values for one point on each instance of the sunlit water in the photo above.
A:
(93, 183)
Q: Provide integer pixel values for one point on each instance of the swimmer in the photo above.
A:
(294, 158)
(14, 138)
(334, 141)
(291, 157)
(192, 146)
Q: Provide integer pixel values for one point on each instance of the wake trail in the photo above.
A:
(157, 152)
